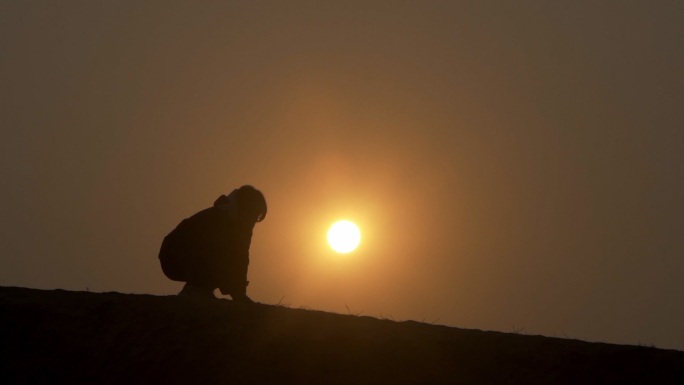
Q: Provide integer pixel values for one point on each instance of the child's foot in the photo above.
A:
(195, 291)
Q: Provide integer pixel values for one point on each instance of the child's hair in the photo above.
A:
(249, 196)
(246, 196)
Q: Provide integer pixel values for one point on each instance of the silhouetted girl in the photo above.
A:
(210, 249)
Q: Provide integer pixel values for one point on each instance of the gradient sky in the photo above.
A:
(512, 165)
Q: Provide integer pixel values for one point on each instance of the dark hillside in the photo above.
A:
(80, 337)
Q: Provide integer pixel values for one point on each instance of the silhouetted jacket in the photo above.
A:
(209, 248)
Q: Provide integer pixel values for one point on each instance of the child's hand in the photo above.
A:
(242, 298)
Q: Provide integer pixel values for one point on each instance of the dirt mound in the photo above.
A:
(80, 337)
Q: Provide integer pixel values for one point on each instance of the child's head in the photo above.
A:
(252, 203)
(245, 203)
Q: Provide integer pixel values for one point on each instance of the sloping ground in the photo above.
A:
(80, 337)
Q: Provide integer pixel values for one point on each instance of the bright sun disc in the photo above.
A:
(344, 236)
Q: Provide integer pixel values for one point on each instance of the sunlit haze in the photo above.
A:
(511, 165)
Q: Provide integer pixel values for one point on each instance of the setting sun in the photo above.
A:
(344, 236)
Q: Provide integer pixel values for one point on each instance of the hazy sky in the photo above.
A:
(512, 165)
